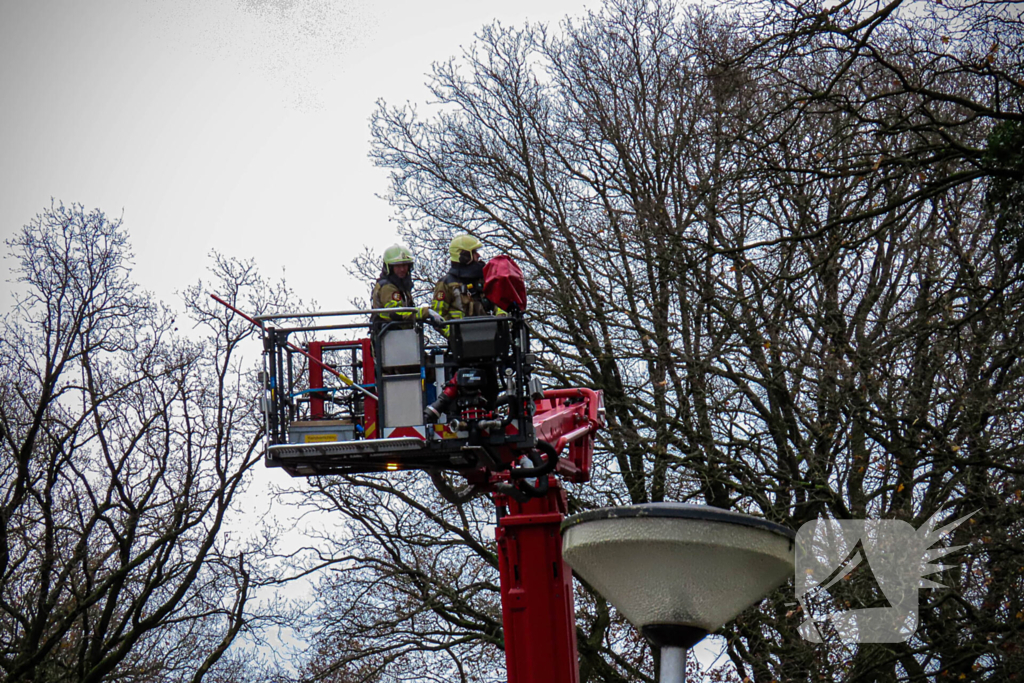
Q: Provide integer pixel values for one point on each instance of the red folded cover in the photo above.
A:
(503, 283)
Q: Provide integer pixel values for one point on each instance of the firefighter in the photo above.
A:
(394, 288)
(459, 294)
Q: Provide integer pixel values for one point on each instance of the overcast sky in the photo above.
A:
(236, 125)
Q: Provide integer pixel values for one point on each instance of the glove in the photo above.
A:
(427, 313)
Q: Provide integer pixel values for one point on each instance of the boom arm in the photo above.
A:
(537, 610)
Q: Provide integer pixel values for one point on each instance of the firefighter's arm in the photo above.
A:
(441, 303)
(446, 304)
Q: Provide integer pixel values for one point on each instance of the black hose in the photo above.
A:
(512, 492)
(523, 490)
(541, 488)
(448, 493)
(544, 469)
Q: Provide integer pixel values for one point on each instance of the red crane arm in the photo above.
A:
(538, 614)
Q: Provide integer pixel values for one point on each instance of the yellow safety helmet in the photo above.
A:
(462, 243)
(397, 254)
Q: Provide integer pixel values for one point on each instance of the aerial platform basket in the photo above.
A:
(358, 405)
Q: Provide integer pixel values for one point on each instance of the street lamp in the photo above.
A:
(677, 571)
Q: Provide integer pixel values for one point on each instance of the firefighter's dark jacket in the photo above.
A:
(390, 291)
(460, 293)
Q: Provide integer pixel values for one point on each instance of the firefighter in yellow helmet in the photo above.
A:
(394, 287)
(459, 294)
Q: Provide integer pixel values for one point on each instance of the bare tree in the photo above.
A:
(124, 446)
(766, 236)
(914, 74)
(412, 589)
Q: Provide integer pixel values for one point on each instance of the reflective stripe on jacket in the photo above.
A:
(387, 295)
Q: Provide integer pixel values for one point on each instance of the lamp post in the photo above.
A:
(676, 571)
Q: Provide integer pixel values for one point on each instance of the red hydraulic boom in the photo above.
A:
(537, 610)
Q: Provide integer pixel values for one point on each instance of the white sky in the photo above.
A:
(236, 125)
